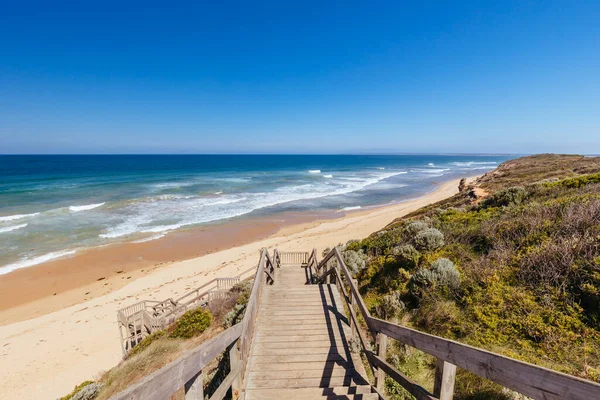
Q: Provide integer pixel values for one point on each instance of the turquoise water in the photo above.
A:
(54, 206)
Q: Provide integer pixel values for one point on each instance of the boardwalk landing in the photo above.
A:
(300, 350)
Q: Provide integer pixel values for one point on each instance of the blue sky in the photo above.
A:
(328, 77)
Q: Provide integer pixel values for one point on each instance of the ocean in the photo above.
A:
(54, 206)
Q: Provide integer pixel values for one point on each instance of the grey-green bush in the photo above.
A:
(443, 272)
(446, 273)
(354, 260)
(407, 255)
(505, 197)
(429, 240)
(415, 227)
(389, 306)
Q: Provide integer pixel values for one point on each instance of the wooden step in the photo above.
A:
(310, 365)
(300, 358)
(320, 382)
(324, 373)
(311, 393)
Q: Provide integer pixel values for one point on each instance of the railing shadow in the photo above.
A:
(337, 356)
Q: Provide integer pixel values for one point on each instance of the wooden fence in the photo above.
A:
(141, 319)
(528, 379)
(294, 257)
(186, 371)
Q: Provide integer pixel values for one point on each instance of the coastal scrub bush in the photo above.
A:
(415, 227)
(505, 197)
(234, 316)
(389, 306)
(147, 341)
(407, 255)
(76, 390)
(191, 324)
(429, 240)
(443, 272)
(446, 273)
(356, 261)
(88, 392)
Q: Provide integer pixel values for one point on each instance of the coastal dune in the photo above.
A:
(45, 356)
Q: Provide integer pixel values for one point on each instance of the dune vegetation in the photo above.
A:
(510, 264)
(161, 347)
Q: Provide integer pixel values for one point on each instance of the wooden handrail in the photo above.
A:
(185, 371)
(528, 379)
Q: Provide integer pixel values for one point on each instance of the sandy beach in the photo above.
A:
(64, 339)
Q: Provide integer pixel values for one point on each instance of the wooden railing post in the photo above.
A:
(234, 363)
(445, 374)
(353, 327)
(194, 388)
(381, 352)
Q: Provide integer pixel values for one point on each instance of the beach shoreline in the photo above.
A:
(45, 355)
(41, 289)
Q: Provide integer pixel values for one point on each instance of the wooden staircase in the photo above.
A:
(293, 344)
(300, 349)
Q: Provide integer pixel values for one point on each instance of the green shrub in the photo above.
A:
(192, 323)
(446, 273)
(76, 390)
(234, 316)
(577, 182)
(415, 227)
(429, 240)
(354, 260)
(388, 306)
(505, 197)
(407, 255)
(147, 341)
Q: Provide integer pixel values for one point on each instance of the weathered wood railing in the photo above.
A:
(187, 371)
(294, 257)
(141, 319)
(528, 379)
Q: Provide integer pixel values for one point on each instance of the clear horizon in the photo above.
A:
(271, 78)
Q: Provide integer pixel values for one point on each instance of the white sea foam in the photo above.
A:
(314, 171)
(17, 216)
(28, 262)
(381, 168)
(162, 228)
(12, 228)
(471, 163)
(351, 208)
(328, 176)
(433, 171)
(219, 192)
(149, 217)
(148, 239)
(85, 207)
(431, 164)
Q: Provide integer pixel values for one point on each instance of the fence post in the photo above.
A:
(381, 352)
(353, 327)
(194, 388)
(234, 365)
(445, 374)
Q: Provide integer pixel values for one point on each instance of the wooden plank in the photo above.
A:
(170, 378)
(522, 377)
(413, 388)
(381, 353)
(194, 388)
(223, 388)
(445, 375)
(307, 382)
(278, 351)
(333, 371)
(300, 358)
(285, 366)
